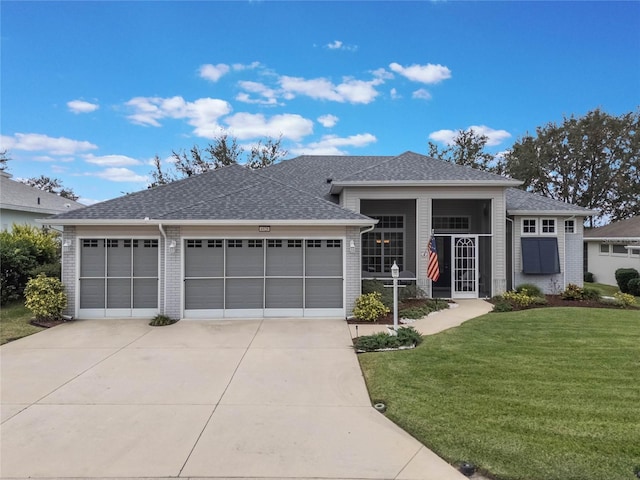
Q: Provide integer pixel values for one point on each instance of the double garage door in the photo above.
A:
(263, 277)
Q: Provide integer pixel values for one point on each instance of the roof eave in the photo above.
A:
(611, 239)
(560, 213)
(252, 222)
(336, 187)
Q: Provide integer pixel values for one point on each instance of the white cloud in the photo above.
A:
(339, 45)
(428, 73)
(88, 201)
(494, 137)
(249, 125)
(240, 66)
(328, 121)
(382, 74)
(268, 94)
(35, 142)
(350, 90)
(80, 106)
(331, 144)
(203, 114)
(422, 94)
(119, 175)
(213, 72)
(112, 160)
(394, 94)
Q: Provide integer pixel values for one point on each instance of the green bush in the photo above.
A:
(406, 337)
(588, 277)
(23, 253)
(572, 292)
(502, 306)
(634, 286)
(161, 321)
(386, 293)
(48, 269)
(45, 297)
(623, 275)
(624, 299)
(369, 307)
(520, 299)
(590, 293)
(430, 305)
(529, 289)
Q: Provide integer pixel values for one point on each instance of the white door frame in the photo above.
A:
(464, 278)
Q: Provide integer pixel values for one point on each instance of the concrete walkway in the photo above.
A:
(199, 399)
(436, 322)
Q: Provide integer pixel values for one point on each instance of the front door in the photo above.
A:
(464, 275)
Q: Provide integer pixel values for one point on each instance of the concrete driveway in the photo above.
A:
(241, 399)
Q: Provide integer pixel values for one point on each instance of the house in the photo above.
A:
(299, 238)
(21, 204)
(606, 249)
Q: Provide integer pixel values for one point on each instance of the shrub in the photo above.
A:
(161, 321)
(623, 275)
(625, 299)
(588, 277)
(530, 289)
(430, 305)
(539, 301)
(386, 293)
(48, 269)
(22, 252)
(406, 337)
(572, 292)
(409, 336)
(369, 307)
(634, 286)
(521, 299)
(502, 306)
(590, 293)
(45, 297)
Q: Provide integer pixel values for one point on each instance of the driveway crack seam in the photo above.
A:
(220, 400)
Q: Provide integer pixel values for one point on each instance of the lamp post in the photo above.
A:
(395, 273)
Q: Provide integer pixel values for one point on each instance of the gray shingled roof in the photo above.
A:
(411, 167)
(521, 202)
(629, 228)
(230, 193)
(18, 196)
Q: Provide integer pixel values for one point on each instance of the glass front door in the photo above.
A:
(464, 275)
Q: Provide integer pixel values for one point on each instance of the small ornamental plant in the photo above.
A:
(369, 307)
(625, 299)
(45, 297)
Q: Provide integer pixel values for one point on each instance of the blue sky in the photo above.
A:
(91, 91)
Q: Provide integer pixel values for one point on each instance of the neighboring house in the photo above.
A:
(298, 238)
(606, 249)
(21, 204)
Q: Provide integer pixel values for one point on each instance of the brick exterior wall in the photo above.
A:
(172, 276)
(69, 265)
(353, 285)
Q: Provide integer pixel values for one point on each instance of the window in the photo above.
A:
(447, 224)
(274, 243)
(528, 225)
(569, 226)
(314, 243)
(194, 243)
(619, 249)
(548, 226)
(604, 248)
(334, 243)
(214, 243)
(255, 243)
(384, 245)
(93, 243)
(234, 243)
(540, 256)
(294, 243)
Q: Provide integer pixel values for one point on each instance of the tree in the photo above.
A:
(51, 185)
(268, 154)
(223, 151)
(4, 159)
(467, 149)
(592, 161)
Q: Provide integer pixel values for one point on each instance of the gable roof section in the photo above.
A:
(18, 196)
(520, 202)
(232, 194)
(412, 169)
(628, 229)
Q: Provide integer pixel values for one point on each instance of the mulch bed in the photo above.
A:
(388, 319)
(47, 323)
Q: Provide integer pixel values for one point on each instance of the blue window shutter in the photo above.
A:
(540, 256)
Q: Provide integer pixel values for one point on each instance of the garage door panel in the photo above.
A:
(245, 258)
(204, 258)
(204, 294)
(92, 258)
(323, 258)
(283, 293)
(145, 293)
(323, 293)
(118, 258)
(145, 258)
(119, 293)
(92, 293)
(284, 258)
(244, 293)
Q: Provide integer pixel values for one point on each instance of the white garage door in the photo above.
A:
(118, 277)
(263, 277)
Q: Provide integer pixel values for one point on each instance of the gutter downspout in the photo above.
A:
(513, 258)
(564, 249)
(164, 280)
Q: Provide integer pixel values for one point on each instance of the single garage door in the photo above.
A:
(263, 277)
(118, 277)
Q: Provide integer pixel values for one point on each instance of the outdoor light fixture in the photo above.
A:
(352, 246)
(66, 246)
(172, 246)
(395, 270)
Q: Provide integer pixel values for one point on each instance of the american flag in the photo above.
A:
(433, 270)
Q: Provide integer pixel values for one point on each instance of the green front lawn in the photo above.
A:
(544, 394)
(14, 322)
